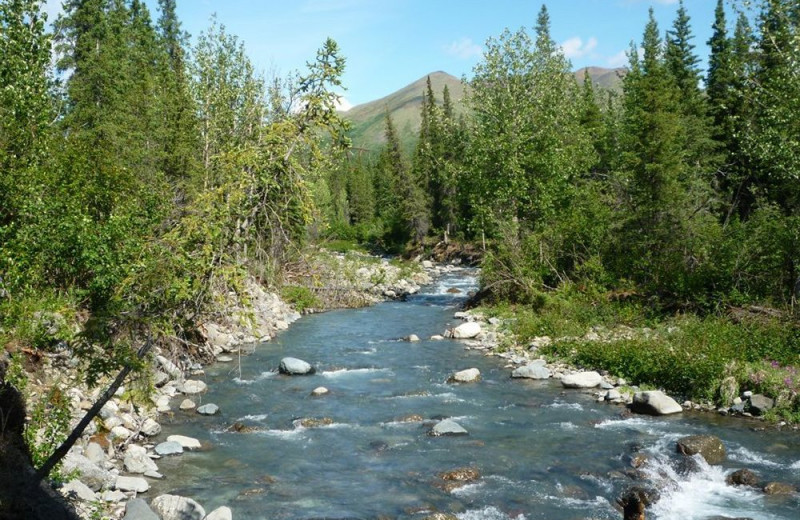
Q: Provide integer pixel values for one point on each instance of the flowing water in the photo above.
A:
(542, 452)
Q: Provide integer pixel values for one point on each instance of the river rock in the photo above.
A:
(412, 338)
(192, 387)
(174, 507)
(448, 427)
(136, 484)
(467, 330)
(742, 477)
(169, 367)
(187, 404)
(110, 409)
(532, 371)
(320, 390)
(470, 375)
(113, 495)
(150, 428)
(220, 513)
(759, 404)
(208, 409)
(137, 461)
(582, 380)
(79, 489)
(295, 367)
(654, 402)
(137, 509)
(90, 473)
(94, 452)
(708, 446)
(187, 443)
(168, 448)
(437, 337)
(779, 488)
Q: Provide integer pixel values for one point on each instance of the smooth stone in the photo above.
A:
(169, 367)
(742, 477)
(448, 427)
(137, 509)
(150, 428)
(153, 474)
(114, 495)
(779, 488)
(412, 338)
(220, 513)
(193, 386)
(582, 380)
(437, 337)
(224, 359)
(613, 394)
(759, 404)
(137, 461)
(469, 375)
(108, 410)
(174, 507)
(654, 402)
(295, 367)
(208, 409)
(708, 446)
(320, 390)
(467, 330)
(120, 432)
(187, 404)
(79, 489)
(94, 452)
(532, 371)
(90, 473)
(136, 484)
(169, 448)
(187, 443)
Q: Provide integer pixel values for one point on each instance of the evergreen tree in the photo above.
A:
(591, 118)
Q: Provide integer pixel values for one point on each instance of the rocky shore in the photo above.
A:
(110, 469)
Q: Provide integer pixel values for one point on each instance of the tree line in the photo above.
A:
(683, 187)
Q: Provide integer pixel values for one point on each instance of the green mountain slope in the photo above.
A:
(404, 107)
(367, 120)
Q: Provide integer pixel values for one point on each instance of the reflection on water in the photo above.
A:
(541, 452)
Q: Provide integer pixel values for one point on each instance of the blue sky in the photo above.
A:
(391, 43)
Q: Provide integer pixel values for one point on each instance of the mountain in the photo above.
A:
(609, 79)
(368, 123)
(404, 105)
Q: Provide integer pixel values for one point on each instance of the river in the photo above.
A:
(542, 452)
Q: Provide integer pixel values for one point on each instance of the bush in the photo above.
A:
(301, 298)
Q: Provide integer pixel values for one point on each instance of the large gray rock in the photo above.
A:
(220, 513)
(136, 484)
(192, 387)
(582, 380)
(137, 509)
(467, 330)
(169, 367)
(94, 452)
(150, 428)
(137, 461)
(758, 404)
(208, 409)
(532, 371)
(470, 375)
(169, 448)
(708, 446)
(78, 489)
(187, 443)
(90, 473)
(295, 367)
(654, 402)
(174, 507)
(448, 427)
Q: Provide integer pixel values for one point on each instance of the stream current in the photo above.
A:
(542, 452)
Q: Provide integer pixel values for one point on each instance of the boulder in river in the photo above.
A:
(187, 443)
(137, 461)
(174, 507)
(220, 513)
(708, 446)
(452, 480)
(467, 330)
(137, 509)
(208, 409)
(447, 427)
(758, 404)
(412, 338)
(582, 380)
(168, 448)
(193, 386)
(779, 488)
(295, 367)
(136, 484)
(654, 402)
(470, 375)
(742, 477)
(320, 390)
(532, 371)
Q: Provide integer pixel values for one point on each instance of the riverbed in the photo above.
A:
(541, 451)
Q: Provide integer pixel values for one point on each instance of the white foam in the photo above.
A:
(468, 490)
(568, 426)
(634, 423)
(353, 371)
(259, 377)
(742, 454)
(259, 417)
(566, 406)
(487, 513)
(796, 465)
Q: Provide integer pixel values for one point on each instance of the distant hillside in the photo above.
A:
(609, 79)
(404, 107)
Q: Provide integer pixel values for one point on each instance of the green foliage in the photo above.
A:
(301, 298)
(48, 427)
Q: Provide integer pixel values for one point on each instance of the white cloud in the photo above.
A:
(620, 59)
(576, 48)
(53, 8)
(463, 48)
(342, 104)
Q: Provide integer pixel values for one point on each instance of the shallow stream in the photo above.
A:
(542, 452)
